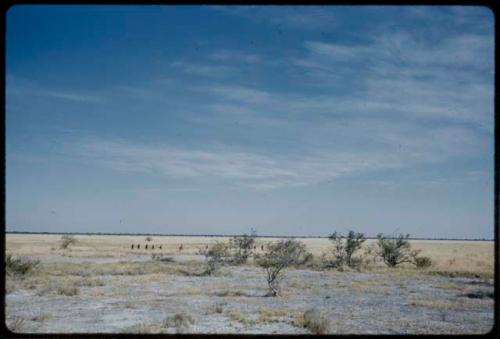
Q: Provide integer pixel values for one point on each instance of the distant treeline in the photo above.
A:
(225, 235)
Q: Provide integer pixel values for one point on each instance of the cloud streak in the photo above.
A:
(262, 170)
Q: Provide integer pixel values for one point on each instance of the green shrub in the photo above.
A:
(422, 262)
(19, 266)
(344, 249)
(278, 256)
(242, 247)
(215, 256)
(395, 251)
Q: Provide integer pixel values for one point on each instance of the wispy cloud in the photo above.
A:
(18, 86)
(228, 55)
(398, 73)
(71, 96)
(297, 17)
(241, 94)
(263, 170)
(204, 69)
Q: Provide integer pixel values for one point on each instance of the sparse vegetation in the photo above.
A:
(242, 247)
(233, 299)
(215, 256)
(16, 324)
(480, 294)
(148, 239)
(68, 289)
(279, 256)
(19, 266)
(394, 251)
(345, 247)
(219, 307)
(315, 322)
(181, 322)
(241, 318)
(422, 262)
(67, 240)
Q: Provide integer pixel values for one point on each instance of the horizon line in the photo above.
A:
(228, 235)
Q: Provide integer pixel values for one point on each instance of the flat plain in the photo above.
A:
(101, 285)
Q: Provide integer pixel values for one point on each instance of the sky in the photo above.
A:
(290, 120)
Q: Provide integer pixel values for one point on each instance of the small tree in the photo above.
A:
(345, 247)
(338, 249)
(242, 247)
(395, 251)
(278, 256)
(67, 240)
(215, 256)
(148, 239)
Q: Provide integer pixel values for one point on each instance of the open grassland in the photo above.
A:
(99, 284)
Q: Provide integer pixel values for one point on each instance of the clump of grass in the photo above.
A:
(180, 321)
(160, 257)
(269, 315)
(448, 286)
(480, 294)
(143, 329)
(423, 262)
(315, 322)
(437, 304)
(219, 307)
(230, 293)
(16, 324)
(67, 240)
(239, 317)
(10, 286)
(40, 317)
(89, 282)
(68, 290)
(19, 266)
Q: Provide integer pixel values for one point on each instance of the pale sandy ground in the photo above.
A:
(123, 290)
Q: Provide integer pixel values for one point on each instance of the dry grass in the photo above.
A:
(269, 315)
(181, 322)
(144, 329)
(244, 319)
(313, 320)
(458, 304)
(450, 286)
(16, 324)
(448, 257)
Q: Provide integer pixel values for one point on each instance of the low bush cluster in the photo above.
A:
(19, 266)
(344, 249)
(67, 240)
(315, 322)
(397, 250)
(181, 322)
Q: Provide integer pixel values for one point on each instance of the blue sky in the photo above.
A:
(291, 120)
